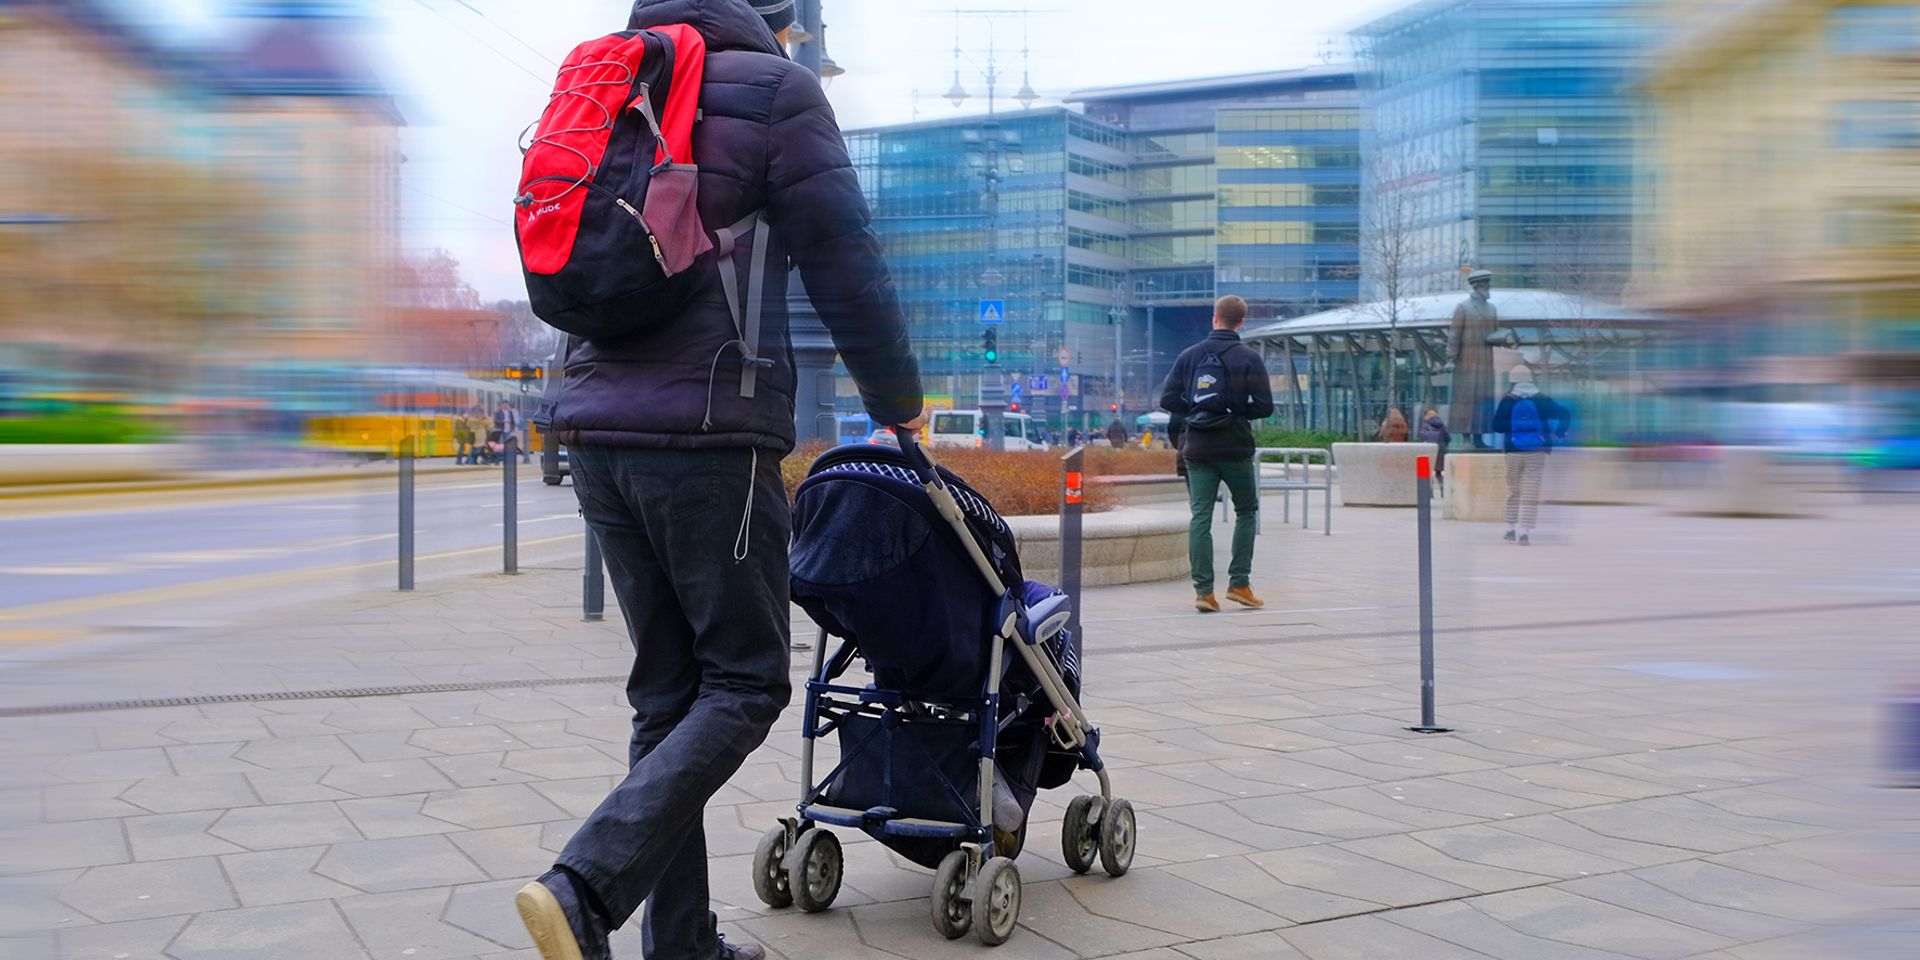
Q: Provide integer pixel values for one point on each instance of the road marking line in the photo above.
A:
(57, 608)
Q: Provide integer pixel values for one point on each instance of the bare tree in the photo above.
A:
(1388, 252)
(1586, 261)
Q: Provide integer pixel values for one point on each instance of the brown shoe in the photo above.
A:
(1244, 597)
(1205, 603)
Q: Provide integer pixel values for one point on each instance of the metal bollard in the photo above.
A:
(1424, 502)
(593, 596)
(510, 507)
(406, 518)
(1070, 530)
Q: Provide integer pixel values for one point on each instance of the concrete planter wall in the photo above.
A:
(1476, 483)
(1476, 486)
(1748, 482)
(1378, 474)
(1120, 546)
(30, 463)
(1146, 489)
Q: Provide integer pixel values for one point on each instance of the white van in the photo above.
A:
(963, 428)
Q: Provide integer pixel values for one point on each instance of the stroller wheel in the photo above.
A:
(996, 901)
(770, 882)
(952, 916)
(813, 869)
(1079, 839)
(1116, 838)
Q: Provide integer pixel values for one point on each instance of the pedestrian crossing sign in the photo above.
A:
(993, 311)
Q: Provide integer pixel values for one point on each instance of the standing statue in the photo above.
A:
(1471, 358)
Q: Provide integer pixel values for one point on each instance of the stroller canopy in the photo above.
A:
(874, 562)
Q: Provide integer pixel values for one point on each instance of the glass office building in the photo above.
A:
(1508, 128)
(1105, 233)
(1022, 214)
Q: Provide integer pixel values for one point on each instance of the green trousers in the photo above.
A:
(1203, 485)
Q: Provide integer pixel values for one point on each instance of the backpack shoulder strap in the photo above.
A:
(746, 319)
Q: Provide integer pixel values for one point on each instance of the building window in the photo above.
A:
(1097, 242)
(1874, 28)
(1875, 125)
(1115, 210)
(1091, 276)
(1097, 169)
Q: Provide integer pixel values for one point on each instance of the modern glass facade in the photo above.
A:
(1026, 208)
(1507, 127)
(1116, 226)
(1289, 199)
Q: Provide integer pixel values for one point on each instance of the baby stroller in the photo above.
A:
(974, 696)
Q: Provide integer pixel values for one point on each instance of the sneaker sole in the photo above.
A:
(1250, 604)
(546, 923)
(1203, 608)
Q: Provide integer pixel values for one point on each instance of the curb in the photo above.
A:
(50, 490)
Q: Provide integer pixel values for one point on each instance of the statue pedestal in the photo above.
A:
(1476, 487)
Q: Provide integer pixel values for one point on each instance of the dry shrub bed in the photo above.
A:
(1017, 483)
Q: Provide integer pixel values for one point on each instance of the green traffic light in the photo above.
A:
(993, 356)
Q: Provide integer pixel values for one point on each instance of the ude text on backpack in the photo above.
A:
(1526, 431)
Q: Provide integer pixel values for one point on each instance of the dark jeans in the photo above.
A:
(709, 672)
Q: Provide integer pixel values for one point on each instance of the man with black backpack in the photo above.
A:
(1530, 420)
(1215, 391)
(680, 166)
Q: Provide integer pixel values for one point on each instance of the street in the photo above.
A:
(81, 562)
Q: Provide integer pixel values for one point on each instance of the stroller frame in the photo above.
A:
(798, 863)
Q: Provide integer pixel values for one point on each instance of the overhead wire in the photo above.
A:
(523, 68)
(509, 33)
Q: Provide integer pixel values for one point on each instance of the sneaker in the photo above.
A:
(1244, 597)
(559, 924)
(739, 951)
(1524, 541)
(1509, 536)
(1205, 603)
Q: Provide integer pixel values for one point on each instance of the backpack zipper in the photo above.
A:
(652, 241)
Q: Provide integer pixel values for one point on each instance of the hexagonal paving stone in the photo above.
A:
(286, 825)
(280, 876)
(404, 863)
(180, 794)
(307, 931)
(408, 925)
(138, 891)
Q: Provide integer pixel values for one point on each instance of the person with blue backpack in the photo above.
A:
(1530, 421)
(1214, 392)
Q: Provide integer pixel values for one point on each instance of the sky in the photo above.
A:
(469, 75)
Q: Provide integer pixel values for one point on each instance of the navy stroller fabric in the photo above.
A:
(875, 563)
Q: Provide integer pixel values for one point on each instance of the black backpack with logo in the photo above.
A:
(1210, 395)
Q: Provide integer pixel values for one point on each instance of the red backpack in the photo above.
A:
(606, 214)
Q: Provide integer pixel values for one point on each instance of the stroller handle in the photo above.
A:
(917, 455)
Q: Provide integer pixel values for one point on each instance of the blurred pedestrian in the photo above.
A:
(1394, 428)
(506, 422)
(676, 462)
(1434, 430)
(1216, 389)
(472, 429)
(1530, 421)
(1116, 433)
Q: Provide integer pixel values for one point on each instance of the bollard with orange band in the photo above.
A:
(1423, 476)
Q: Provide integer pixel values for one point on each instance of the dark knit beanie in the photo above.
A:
(777, 13)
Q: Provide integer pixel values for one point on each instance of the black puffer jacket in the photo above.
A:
(767, 141)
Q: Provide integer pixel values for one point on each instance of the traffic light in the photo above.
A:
(990, 345)
(1113, 407)
(1013, 407)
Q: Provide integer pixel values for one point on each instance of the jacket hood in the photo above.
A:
(725, 24)
(1435, 421)
(1523, 390)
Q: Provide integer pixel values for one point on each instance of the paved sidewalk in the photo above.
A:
(1665, 744)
